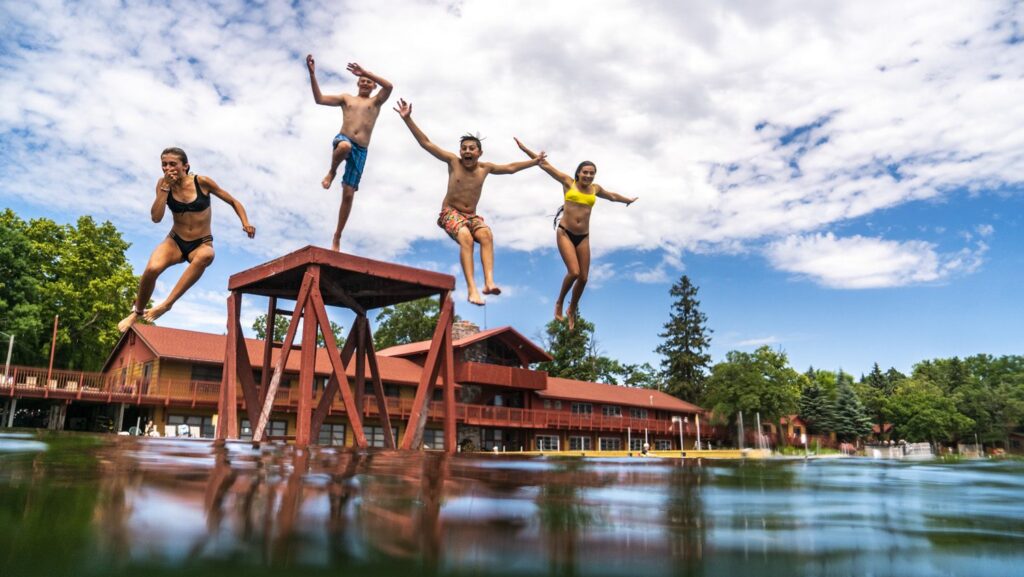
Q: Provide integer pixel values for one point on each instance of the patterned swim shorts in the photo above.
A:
(452, 220)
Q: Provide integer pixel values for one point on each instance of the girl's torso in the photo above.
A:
(190, 209)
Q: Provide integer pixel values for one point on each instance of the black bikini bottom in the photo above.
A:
(575, 238)
(187, 246)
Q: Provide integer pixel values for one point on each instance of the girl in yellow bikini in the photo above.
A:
(573, 232)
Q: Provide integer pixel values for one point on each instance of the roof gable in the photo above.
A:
(528, 352)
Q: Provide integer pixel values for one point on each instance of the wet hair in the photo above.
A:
(180, 154)
(472, 138)
(576, 176)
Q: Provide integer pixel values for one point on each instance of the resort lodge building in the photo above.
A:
(168, 381)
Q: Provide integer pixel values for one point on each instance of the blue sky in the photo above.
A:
(842, 182)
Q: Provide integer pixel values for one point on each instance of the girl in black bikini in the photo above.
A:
(573, 233)
(189, 240)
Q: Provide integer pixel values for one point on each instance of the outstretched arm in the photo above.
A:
(404, 110)
(545, 165)
(160, 202)
(222, 194)
(514, 167)
(317, 96)
(615, 197)
(385, 86)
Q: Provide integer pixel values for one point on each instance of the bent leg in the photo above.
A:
(465, 240)
(165, 255)
(348, 194)
(200, 258)
(339, 154)
(583, 255)
(572, 269)
(485, 237)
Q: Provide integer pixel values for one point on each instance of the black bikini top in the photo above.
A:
(201, 203)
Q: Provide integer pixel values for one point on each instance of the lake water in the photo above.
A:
(78, 504)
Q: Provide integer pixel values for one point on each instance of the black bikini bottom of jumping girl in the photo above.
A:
(575, 238)
(187, 246)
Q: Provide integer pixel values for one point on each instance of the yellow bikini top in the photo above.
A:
(574, 195)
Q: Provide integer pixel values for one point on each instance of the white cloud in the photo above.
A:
(736, 124)
(859, 262)
(758, 341)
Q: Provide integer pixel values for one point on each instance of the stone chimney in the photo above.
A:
(463, 329)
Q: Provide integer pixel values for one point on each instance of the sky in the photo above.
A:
(842, 181)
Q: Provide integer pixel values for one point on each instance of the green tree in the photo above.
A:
(259, 326)
(851, 421)
(874, 391)
(686, 340)
(761, 381)
(407, 322)
(921, 410)
(575, 353)
(817, 409)
(642, 376)
(79, 272)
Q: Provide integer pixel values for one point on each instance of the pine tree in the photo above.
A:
(686, 340)
(852, 420)
(817, 409)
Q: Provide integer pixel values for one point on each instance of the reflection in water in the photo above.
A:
(97, 505)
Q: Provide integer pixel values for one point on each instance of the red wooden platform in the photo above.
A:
(314, 277)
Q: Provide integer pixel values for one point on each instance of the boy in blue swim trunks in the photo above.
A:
(358, 116)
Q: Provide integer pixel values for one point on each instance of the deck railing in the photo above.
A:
(97, 387)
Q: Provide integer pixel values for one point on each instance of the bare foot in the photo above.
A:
(558, 311)
(326, 182)
(572, 316)
(336, 244)
(156, 312)
(127, 322)
(492, 290)
(475, 298)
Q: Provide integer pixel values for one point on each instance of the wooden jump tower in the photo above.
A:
(315, 277)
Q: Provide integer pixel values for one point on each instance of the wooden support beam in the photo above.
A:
(268, 346)
(360, 381)
(307, 366)
(354, 418)
(413, 437)
(448, 384)
(227, 405)
(378, 387)
(244, 369)
(275, 381)
(334, 382)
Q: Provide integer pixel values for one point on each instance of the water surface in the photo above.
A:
(78, 504)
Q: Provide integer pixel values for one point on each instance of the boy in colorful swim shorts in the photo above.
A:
(359, 114)
(458, 216)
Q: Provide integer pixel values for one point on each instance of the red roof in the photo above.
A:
(530, 352)
(198, 347)
(569, 389)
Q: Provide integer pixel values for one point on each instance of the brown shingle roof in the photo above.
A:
(569, 389)
(198, 347)
(508, 335)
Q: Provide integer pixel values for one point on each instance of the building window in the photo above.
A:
(636, 444)
(662, 445)
(549, 404)
(274, 429)
(211, 373)
(547, 442)
(581, 444)
(611, 410)
(332, 434)
(375, 435)
(198, 426)
(491, 438)
(582, 408)
(638, 413)
(433, 439)
(797, 431)
(610, 443)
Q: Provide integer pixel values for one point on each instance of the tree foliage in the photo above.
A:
(79, 272)
(761, 381)
(686, 340)
(575, 353)
(817, 409)
(851, 421)
(407, 322)
(259, 326)
(921, 411)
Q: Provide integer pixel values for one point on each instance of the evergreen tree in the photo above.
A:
(686, 340)
(851, 421)
(817, 409)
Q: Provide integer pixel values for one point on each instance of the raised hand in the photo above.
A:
(356, 69)
(249, 230)
(404, 109)
(310, 63)
(541, 157)
(630, 201)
